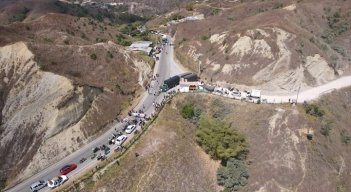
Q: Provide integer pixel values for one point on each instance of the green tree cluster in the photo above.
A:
(338, 25)
(233, 175)
(228, 145)
(220, 141)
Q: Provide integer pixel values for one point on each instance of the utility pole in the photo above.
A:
(199, 68)
(298, 91)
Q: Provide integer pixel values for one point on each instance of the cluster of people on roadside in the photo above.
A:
(151, 89)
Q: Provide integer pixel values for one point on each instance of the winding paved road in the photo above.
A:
(165, 67)
(312, 93)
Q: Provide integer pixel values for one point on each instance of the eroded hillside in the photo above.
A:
(62, 80)
(278, 45)
(280, 158)
(33, 111)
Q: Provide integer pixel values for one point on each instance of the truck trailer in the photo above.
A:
(170, 83)
(190, 77)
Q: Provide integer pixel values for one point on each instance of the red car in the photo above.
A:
(67, 168)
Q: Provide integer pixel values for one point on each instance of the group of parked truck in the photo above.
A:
(174, 81)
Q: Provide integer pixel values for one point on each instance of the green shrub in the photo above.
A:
(93, 56)
(175, 17)
(204, 37)
(189, 7)
(74, 73)
(345, 137)
(326, 128)
(122, 40)
(215, 11)
(42, 67)
(20, 16)
(278, 5)
(230, 18)
(219, 140)
(314, 110)
(233, 175)
(2, 184)
(187, 111)
(83, 36)
(110, 55)
(337, 26)
(339, 50)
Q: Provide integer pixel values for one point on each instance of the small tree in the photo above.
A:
(233, 175)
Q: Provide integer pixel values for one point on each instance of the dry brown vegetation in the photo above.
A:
(153, 7)
(281, 157)
(168, 160)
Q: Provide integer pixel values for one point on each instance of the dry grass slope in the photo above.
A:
(169, 160)
(281, 158)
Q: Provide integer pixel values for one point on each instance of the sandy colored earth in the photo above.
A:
(276, 46)
(30, 112)
(54, 95)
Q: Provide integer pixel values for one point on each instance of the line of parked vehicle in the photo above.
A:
(100, 153)
(117, 138)
(234, 93)
(56, 181)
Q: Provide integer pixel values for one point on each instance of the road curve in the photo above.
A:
(312, 93)
(165, 68)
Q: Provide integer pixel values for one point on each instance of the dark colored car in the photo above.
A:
(67, 168)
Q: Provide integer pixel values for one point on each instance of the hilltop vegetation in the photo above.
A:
(222, 143)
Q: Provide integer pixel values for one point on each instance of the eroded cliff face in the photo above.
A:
(40, 113)
(274, 48)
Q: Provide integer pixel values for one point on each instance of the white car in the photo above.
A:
(130, 129)
(140, 115)
(38, 185)
(57, 181)
(121, 139)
